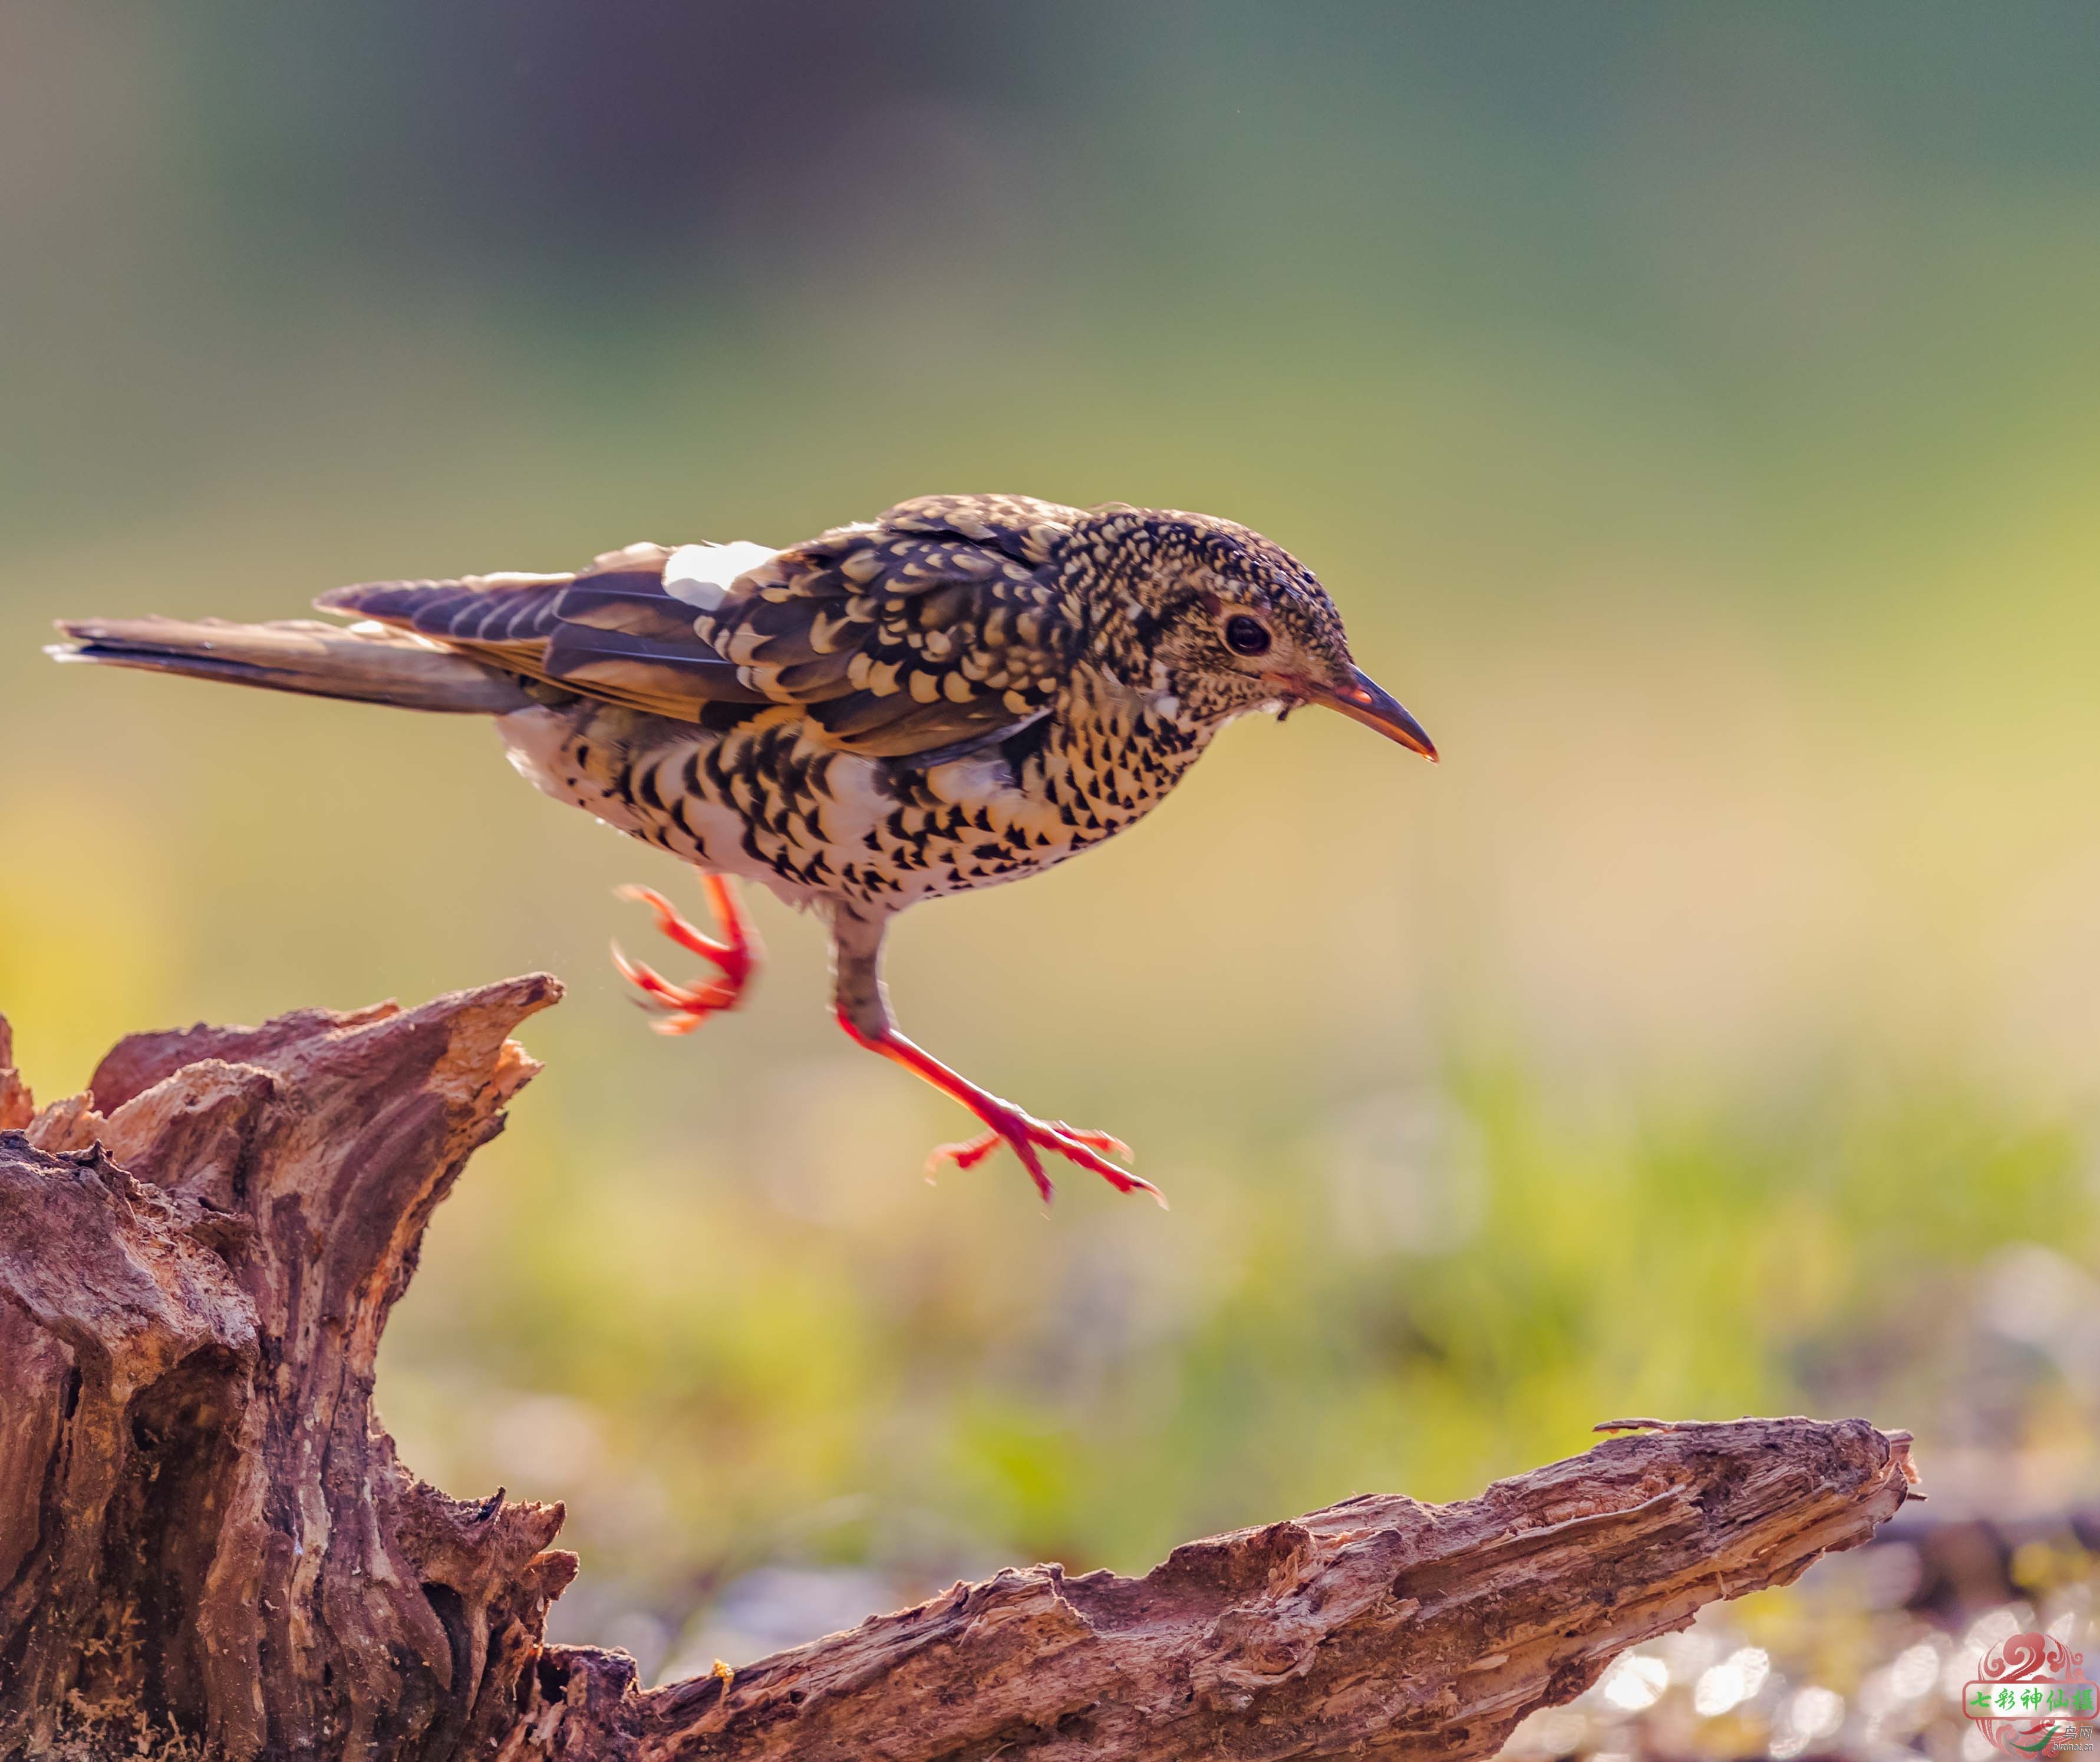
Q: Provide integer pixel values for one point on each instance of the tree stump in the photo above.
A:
(207, 1546)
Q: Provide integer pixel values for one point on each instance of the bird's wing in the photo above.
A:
(939, 624)
(611, 631)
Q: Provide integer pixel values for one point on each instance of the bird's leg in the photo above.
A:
(1008, 1124)
(683, 1007)
(863, 1012)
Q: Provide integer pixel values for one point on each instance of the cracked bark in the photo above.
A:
(208, 1546)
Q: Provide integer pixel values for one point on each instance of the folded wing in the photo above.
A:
(940, 624)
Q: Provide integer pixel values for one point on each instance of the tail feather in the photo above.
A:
(362, 663)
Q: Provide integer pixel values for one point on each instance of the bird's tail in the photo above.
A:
(363, 663)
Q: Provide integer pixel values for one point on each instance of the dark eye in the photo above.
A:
(1246, 636)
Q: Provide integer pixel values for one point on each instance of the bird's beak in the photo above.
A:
(1362, 700)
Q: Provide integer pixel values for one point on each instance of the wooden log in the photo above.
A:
(204, 1533)
(207, 1546)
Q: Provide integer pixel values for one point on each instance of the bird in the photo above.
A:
(965, 690)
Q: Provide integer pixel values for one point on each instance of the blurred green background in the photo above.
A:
(1693, 410)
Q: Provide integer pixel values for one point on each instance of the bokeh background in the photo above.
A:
(1692, 409)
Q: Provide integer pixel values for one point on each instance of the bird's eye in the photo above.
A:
(1246, 636)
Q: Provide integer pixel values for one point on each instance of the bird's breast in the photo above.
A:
(769, 799)
(1098, 762)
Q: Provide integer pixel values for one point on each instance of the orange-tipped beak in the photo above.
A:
(1361, 700)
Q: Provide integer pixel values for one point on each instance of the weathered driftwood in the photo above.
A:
(207, 1546)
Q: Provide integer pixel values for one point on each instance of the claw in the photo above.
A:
(1100, 1141)
(683, 1007)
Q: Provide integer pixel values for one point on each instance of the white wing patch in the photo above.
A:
(700, 575)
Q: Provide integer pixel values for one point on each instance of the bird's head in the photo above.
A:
(1215, 620)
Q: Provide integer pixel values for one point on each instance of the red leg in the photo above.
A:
(684, 1007)
(1008, 1124)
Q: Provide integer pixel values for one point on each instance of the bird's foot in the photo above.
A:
(1021, 1133)
(682, 1008)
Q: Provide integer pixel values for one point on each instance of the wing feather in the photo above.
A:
(947, 611)
(938, 626)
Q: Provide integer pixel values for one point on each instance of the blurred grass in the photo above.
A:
(1683, 406)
